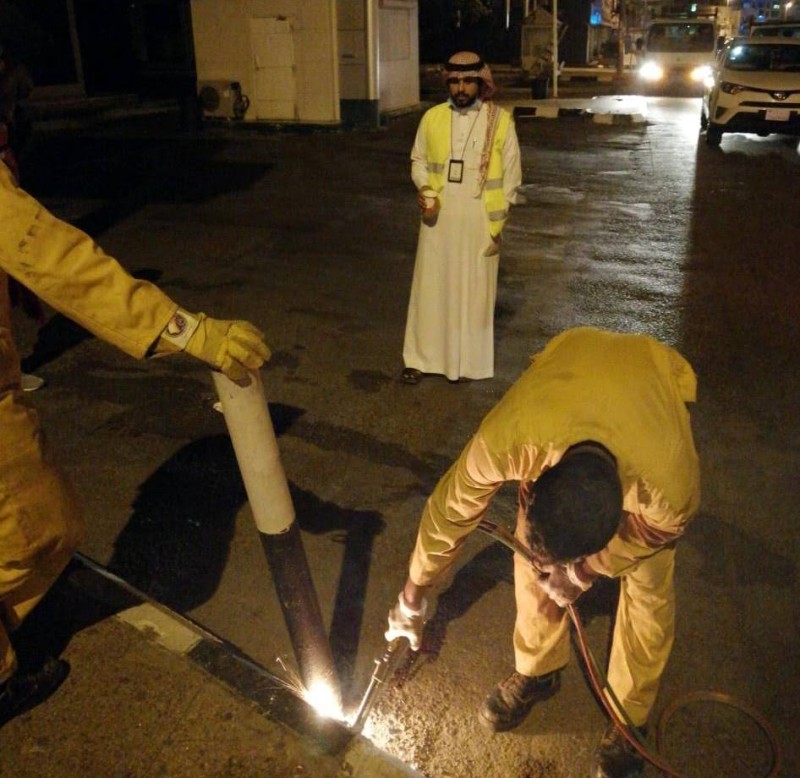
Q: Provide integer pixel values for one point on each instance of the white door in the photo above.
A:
(272, 44)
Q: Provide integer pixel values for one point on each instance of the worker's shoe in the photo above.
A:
(615, 757)
(24, 691)
(411, 375)
(513, 699)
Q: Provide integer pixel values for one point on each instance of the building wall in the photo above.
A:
(222, 32)
(398, 47)
(393, 25)
(353, 49)
(356, 57)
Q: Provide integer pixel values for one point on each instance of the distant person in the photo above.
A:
(16, 85)
(40, 525)
(597, 434)
(465, 163)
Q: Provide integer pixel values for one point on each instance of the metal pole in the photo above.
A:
(253, 437)
(555, 48)
(372, 41)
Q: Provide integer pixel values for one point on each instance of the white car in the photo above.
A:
(776, 30)
(755, 87)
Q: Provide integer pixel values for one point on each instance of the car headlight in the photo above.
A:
(701, 73)
(649, 71)
(730, 88)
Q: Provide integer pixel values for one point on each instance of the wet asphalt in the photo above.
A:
(312, 235)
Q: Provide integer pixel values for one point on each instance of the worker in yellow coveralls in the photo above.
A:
(40, 525)
(598, 435)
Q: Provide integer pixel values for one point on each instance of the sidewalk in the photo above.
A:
(599, 97)
(150, 693)
(601, 109)
(593, 93)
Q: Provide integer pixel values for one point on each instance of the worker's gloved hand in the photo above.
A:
(233, 347)
(562, 583)
(405, 622)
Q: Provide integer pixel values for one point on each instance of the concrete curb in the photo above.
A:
(557, 112)
(275, 699)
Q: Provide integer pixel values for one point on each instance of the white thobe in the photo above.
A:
(450, 324)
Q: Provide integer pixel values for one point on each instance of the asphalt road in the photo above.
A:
(312, 236)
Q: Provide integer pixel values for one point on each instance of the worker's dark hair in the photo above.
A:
(575, 507)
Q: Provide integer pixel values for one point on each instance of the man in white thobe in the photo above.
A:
(466, 167)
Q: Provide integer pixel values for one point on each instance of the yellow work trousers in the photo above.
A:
(643, 633)
(40, 524)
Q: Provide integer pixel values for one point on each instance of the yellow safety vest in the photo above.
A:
(436, 124)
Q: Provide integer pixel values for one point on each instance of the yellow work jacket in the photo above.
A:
(437, 126)
(64, 267)
(627, 392)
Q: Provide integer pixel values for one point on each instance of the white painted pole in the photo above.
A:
(253, 438)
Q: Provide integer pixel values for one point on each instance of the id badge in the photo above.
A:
(455, 172)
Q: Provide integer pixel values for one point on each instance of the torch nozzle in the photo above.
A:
(385, 667)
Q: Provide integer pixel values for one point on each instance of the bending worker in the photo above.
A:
(597, 433)
(40, 525)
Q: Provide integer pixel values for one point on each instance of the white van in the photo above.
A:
(679, 53)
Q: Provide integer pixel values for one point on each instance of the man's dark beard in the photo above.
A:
(464, 101)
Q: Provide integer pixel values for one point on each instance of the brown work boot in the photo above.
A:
(615, 757)
(513, 699)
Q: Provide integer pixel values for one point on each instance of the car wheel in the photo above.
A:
(713, 136)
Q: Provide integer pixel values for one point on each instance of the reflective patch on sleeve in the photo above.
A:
(180, 328)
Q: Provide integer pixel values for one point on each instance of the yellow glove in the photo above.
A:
(233, 347)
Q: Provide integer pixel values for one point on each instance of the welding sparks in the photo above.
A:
(324, 700)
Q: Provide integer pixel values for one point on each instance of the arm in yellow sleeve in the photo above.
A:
(453, 511)
(65, 268)
(636, 540)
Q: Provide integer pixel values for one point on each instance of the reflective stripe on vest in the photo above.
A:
(436, 124)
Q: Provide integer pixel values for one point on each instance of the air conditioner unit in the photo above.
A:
(222, 99)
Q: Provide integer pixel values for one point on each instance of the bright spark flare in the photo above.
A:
(322, 698)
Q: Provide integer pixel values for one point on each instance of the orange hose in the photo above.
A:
(606, 694)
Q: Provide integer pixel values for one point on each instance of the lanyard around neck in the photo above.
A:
(466, 141)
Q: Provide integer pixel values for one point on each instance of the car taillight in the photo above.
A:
(731, 89)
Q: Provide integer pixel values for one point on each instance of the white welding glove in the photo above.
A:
(562, 584)
(405, 622)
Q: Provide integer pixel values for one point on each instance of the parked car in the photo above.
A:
(776, 30)
(754, 88)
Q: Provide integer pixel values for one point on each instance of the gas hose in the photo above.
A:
(606, 694)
